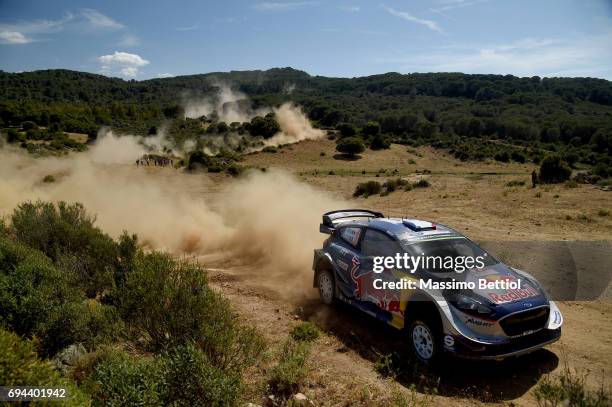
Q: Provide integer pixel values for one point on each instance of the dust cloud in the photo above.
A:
(233, 106)
(228, 104)
(294, 125)
(267, 223)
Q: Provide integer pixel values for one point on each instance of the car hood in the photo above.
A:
(504, 300)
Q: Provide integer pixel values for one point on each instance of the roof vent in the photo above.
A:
(418, 225)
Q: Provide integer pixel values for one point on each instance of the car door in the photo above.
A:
(347, 261)
(374, 244)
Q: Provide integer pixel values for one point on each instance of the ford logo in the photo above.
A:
(528, 305)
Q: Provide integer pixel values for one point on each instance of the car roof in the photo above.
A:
(403, 227)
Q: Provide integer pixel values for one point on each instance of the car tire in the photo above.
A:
(327, 287)
(424, 340)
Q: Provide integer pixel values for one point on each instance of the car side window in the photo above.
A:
(375, 243)
(351, 235)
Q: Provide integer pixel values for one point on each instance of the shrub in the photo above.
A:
(569, 389)
(422, 183)
(515, 183)
(502, 156)
(553, 170)
(350, 146)
(191, 380)
(20, 366)
(305, 331)
(235, 170)
(89, 323)
(367, 188)
(122, 380)
(48, 179)
(603, 212)
(571, 184)
(170, 304)
(380, 142)
(518, 157)
(389, 365)
(31, 287)
(289, 373)
(67, 234)
(269, 149)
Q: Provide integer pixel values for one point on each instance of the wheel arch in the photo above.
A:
(323, 262)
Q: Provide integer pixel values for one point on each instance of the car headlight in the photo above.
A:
(470, 305)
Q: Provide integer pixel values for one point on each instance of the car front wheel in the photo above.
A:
(326, 284)
(424, 341)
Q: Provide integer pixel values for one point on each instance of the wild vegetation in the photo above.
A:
(513, 119)
(124, 326)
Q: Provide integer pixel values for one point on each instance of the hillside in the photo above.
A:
(533, 116)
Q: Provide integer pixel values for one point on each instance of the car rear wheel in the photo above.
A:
(327, 287)
(424, 341)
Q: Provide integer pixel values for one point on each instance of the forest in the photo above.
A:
(514, 119)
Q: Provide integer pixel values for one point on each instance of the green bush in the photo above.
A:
(380, 142)
(568, 389)
(66, 233)
(350, 146)
(515, 183)
(422, 183)
(269, 149)
(289, 373)
(122, 380)
(191, 380)
(366, 189)
(169, 303)
(31, 287)
(390, 365)
(20, 366)
(553, 170)
(502, 156)
(89, 323)
(305, 331)
(518, 157)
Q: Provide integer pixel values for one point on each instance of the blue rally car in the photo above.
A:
(469, 314)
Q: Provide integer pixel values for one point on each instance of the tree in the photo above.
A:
(371, 129)
(346, 130)
(554, 170)
(380, 142)
(350, 146)
(265, 127)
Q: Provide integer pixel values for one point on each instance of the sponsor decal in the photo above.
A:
(513, 295)
(449, 341)
(478, 322)
(342, 264)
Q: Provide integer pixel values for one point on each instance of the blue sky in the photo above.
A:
(147, 39)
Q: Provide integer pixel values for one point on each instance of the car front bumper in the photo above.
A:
(465, 348)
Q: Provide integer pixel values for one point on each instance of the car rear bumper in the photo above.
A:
(465, 348)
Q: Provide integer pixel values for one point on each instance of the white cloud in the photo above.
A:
(13, 37)
(38, 26)
(165, 75)
(350, 9)
(22, 32)
(99, 20)
(281, 6)
(454, 4)
(122, 63)
(432, 25)
(580, 55)
(189, 27)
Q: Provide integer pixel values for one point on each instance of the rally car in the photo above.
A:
(473, 322)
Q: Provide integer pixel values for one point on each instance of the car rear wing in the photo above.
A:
(330, 218)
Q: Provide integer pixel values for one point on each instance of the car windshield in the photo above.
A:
(457, 248)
